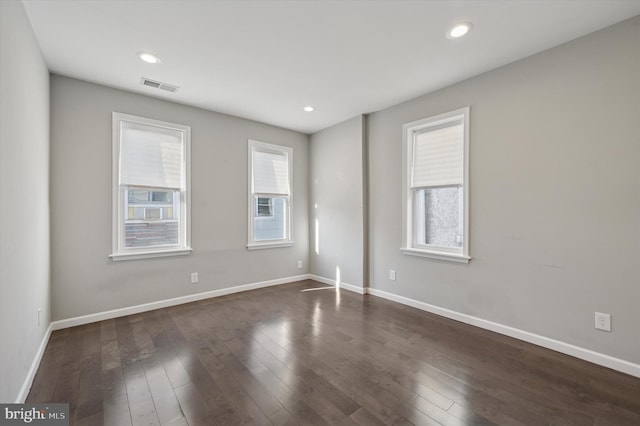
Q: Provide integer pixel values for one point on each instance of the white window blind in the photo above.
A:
(151, 188)
(151, 156)
(270, 173)
(269, 196)
(438, 157)
(435, 186)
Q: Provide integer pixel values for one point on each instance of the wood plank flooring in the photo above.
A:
(306, 354)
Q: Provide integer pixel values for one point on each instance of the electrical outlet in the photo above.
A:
(392, 274)
(299, 264)
(603, 321)
(39, 311)
(194, 277)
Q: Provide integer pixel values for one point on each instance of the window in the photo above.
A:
(150, 188)
(435, 187)
(269, 195)
(264, 207)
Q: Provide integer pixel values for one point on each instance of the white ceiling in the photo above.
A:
(266, 60)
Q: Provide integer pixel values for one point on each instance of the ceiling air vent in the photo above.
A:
(158, 85)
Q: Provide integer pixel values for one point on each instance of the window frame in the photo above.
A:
(252, 201)
(409, 227)
(119, 214)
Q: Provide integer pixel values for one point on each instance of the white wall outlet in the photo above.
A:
(392, 274)
(603, 321)
(39, 311)
(299, 264)
(194, 277)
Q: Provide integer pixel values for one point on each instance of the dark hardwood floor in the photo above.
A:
(305, 354)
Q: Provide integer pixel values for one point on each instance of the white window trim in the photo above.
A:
(408, 132)
(118, 252)
(150, 254)
(267, 244)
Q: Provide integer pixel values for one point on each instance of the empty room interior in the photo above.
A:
(321, 212)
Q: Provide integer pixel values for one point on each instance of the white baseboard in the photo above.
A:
(31, 374)
(350, 287)
(115, 313)
(556, 345)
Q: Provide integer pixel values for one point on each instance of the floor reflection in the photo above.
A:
(316, 320)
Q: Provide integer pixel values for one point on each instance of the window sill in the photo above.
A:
(440, 255)
(150, 254)
(269, 244)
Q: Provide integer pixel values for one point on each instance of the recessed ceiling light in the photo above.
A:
(149, 58)
(309, 108)
(459, 30)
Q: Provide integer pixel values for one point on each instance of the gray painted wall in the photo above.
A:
(84, 279)
(555, 204)
(336, 202)
(24, 191)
